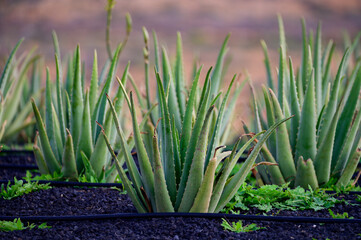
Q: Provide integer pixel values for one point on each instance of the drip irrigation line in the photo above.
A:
(187, 215)
(70, 184)
(20, 152)
(15, 166)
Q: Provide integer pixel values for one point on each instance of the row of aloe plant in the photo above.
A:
(20, 80)
(322, 143)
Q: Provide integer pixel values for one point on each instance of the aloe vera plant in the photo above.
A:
(177, 163)
(321, 144)
(68, 140)
(17, 85)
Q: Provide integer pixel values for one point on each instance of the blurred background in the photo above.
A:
(203, 24)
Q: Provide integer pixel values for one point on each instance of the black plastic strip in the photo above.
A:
(188, 215)
(20, 152)
(14, 166)
(71, 184)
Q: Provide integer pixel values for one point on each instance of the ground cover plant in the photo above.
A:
(322, 143)
(19, 188)
(17, 224)
(238, 227)
(269, 197)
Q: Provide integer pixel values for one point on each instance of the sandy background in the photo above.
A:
(203, 25)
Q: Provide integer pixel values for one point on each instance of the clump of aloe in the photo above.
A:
(68, 141)
(322, 143)
(177, 148)
(17, 85)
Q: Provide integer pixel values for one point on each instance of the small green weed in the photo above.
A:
(17, 224)
(20, 188)
(282, 197)
(338, 215)
(238, 226)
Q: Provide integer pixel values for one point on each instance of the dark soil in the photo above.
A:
(82, 201)
(15, 164)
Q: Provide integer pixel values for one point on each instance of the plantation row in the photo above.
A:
(305, 129)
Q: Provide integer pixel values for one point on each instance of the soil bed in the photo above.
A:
(86, 201)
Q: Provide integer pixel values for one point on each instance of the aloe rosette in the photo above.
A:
(17, 85)
(68, 143)
(321, 144)
(177, 147)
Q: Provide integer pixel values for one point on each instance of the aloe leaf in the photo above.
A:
(99, 159)
(229, 112)
(306, 140)
(233, 185)
(144, 164)
(16, 90)
(317, 66)
(295, 108)
(306, 175)
(40, 161)
(270, 120)
(345, 119)
(93, 92)
(327, 68)
(88, 170)
(322, 161)
(69, 169)
(167, 145)
(228, 167)
(168, 82)
(162, 198)
(99, 110)
(126, 150)
(214, 141)
(332, 103)
(203, 197)
(202, 110)
(179, 76)
(217, 72)
(187, 120)
(274, 171)
(57, 134)
(196, 171)
(85, 143)
(69, 75)
(52, 163)
(177, 160)
(268, 65)
(56, 44)
(305, 57)
(348, 146)
(281, 79)
(282, 36)
(283, 147)
(127, 184)
(49, 122)
(5, 74)
(77, 104)
(59, 94)
(350, 167)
